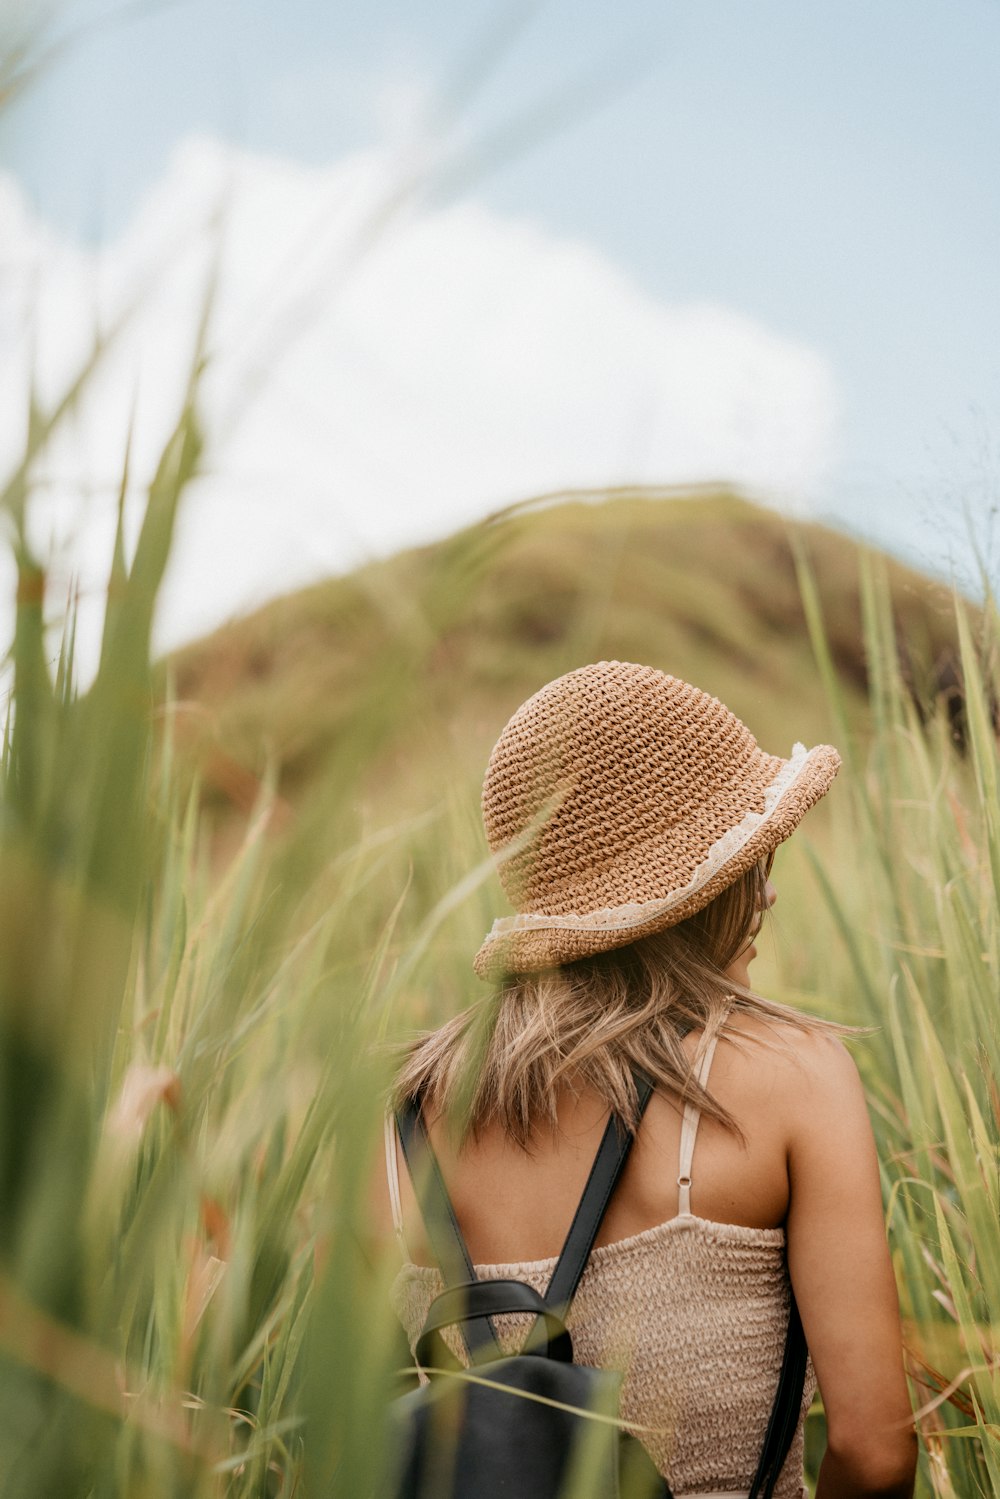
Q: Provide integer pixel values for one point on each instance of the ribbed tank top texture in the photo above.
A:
(693, 1312)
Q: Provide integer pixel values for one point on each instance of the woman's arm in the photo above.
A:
(843, 1280)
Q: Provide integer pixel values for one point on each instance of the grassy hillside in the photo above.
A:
(455, 635)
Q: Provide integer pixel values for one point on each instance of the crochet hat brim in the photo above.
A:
(533, 941)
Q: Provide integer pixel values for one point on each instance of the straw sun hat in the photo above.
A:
(619, 801)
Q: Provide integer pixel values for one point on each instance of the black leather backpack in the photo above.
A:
(534, 1425)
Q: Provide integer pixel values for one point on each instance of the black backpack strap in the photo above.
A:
(494, 1298)
(784, 1419)
(608, 1165)
(446, 1236)
(442, 1225)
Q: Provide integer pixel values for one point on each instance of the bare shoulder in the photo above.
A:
(801, 1073)
(816, 1053)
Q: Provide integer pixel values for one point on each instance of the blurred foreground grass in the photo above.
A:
(192, 1031)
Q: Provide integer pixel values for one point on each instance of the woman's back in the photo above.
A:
(517, 1205)
(688, 1289)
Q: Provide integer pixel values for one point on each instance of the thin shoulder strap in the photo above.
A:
(607, 1168)
(689, 1133)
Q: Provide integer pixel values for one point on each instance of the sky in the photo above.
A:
(471, 252)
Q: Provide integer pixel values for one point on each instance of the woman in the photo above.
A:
(634, 820)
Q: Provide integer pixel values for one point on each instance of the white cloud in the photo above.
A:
(411, 381)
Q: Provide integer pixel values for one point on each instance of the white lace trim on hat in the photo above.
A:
(638, 912)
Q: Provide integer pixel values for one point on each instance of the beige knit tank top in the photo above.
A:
(693, 1312)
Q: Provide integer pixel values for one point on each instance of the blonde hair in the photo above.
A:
(587, 1024)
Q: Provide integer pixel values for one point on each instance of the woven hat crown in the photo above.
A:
(617, 788)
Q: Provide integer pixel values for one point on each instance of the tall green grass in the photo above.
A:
(193, 1047)
(917, 912)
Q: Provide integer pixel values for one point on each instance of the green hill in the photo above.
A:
(410, 666)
